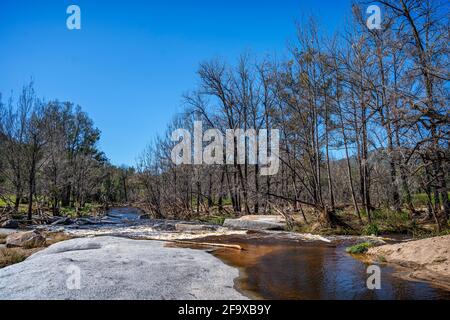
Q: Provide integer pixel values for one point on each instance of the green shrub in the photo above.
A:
(217, 220)
(421, 199)
(359, 248)
(371, 229)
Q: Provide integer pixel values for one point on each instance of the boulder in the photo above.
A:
(119, 269)
(256, 223)
(184, 227)
(10, 224)
(30, 239)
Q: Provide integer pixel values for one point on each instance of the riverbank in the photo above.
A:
(425, 260)
(267, 264)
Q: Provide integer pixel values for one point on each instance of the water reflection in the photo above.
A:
(315, 271)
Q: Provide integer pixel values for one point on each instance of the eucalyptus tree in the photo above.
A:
(422, 27)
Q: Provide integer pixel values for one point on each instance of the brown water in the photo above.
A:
(277, 269)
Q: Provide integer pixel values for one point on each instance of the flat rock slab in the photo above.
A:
(256, 223)
(29, 239)
(117, 268)
(183, 227)
(7, 232)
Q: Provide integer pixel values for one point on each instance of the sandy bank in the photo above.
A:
(427, 259)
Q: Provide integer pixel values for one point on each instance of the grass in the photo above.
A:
(69, 212)
(10, 256)
(215, 202)
(371, 230)
(226, 202)
(385, 221)
(6, 199)
(421, 199)
(360, 248)
(423, 234)
(56, 237)
(14, 255)
(217, 220)
(87, 210)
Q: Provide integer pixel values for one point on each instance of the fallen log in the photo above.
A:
(210, 244)
(222, 245)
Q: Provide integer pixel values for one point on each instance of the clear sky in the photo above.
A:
(132, 60)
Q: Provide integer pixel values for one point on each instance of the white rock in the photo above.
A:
(184, 227)
(256, 223)
(117, 268)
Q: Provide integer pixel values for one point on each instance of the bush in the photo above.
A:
(217, 220)
(421, 199)
(371, 229)
(359, 248)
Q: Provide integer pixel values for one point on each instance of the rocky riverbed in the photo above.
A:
(127, 255)
(117, 268)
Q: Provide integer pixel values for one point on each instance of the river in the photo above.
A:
(278, 267)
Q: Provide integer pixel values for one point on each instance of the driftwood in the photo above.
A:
(210, 244)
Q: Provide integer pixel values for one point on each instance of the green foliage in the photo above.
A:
(327, 231)
(87, 210)
(388, 221)
(217, 220)
(371, 229)
(421, 199)
(423, 234)
(226, 202)
(359, 248)
(7, 200)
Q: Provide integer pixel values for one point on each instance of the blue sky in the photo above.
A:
(132, 60)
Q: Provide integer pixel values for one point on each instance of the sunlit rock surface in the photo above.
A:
(117, 268)
(256, 223)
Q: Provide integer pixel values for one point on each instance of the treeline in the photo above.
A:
(363, 115)
(49, 158)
